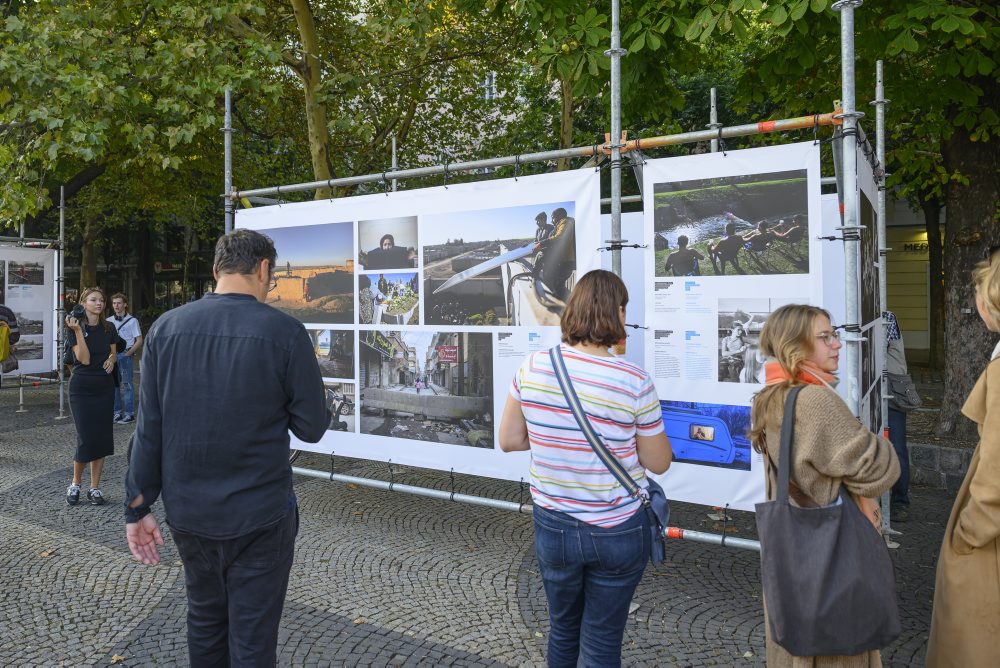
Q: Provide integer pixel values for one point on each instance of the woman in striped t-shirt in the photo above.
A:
(591, 539)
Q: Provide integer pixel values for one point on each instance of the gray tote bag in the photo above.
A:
(829, 586)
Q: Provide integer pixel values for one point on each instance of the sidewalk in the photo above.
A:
(380, 579)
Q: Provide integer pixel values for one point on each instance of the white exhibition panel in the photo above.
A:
(634, 277)
(705, 370)
(467, 341)
(27, 287)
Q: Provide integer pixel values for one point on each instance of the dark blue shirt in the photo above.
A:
(224, 380)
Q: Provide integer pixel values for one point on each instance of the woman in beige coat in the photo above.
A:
(965, 624)
(831, 447)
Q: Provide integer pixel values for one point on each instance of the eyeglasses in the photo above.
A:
(272, 285)
(829, 338)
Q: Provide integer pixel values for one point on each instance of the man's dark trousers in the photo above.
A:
(236, 591)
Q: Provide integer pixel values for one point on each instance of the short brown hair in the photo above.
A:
(121, 296)
(591, 315)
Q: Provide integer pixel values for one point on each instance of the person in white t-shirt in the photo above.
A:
(129, 330)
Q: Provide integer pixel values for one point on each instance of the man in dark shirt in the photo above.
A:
(225, 379)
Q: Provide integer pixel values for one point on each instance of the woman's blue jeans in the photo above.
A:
(589, 575)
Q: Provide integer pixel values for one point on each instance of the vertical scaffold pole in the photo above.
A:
(713, 119)
(616, 52)
(879, 104)
(60, 307)
(395, 161)
(227, 131)
(851, 230)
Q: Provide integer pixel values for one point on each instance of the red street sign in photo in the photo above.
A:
(447, 354)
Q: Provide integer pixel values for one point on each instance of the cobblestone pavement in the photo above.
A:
(380, 578)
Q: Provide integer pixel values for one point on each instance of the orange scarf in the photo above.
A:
(809, 373)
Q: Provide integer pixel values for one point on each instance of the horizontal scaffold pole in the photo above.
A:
(674, 533)
(749, 129)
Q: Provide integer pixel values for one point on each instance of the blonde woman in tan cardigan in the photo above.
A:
(831, 447)
(965, 624)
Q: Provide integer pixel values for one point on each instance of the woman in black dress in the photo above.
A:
(92, 342)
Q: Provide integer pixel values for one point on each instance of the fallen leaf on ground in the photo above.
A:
(47, 553)
(117, 658)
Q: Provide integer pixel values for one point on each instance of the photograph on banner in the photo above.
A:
(427, 386)
(314, 276)
(25, 273)
(28, 348)
(507, 266)
(389, 298)
(387, 243)
(30, 322)
(740, 323)
(340, 399)
(752, 224)
(708, 434)
(334, 350)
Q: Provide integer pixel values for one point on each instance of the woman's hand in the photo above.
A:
(73, 323)
(109, 365)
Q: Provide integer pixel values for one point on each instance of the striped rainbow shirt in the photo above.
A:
(566, 475)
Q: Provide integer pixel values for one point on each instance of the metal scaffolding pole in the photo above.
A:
(879, 103)
(713, 119)
(763, 127)
(674, 533)
(395, 162)
(228, 134)
(60, 307)
(851, 230)
(616, 53)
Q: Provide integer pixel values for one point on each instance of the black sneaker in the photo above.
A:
(73, 494)
(117, 418)
(96, 498)
(126, 420)
(899, 514)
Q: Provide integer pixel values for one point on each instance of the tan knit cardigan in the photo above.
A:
(830, 448)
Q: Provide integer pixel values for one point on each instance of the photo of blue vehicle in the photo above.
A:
(708, 434)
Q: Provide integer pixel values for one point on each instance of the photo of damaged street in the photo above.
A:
(427, 386)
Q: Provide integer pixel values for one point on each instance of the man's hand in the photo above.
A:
(144, 537)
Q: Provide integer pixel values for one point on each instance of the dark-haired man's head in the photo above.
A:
(730, 229)
(241, 252)
(541, 218)
(682, 241)
(558, 214)
(244, 263)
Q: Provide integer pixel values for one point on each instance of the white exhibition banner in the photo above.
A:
(27, 287)
(634, 277)
(731, 237)
(422, 304)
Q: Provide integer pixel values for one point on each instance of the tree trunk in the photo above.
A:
(88, 255)
(971, 227)
(932, 220)
(311, 72)
(565, 121)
